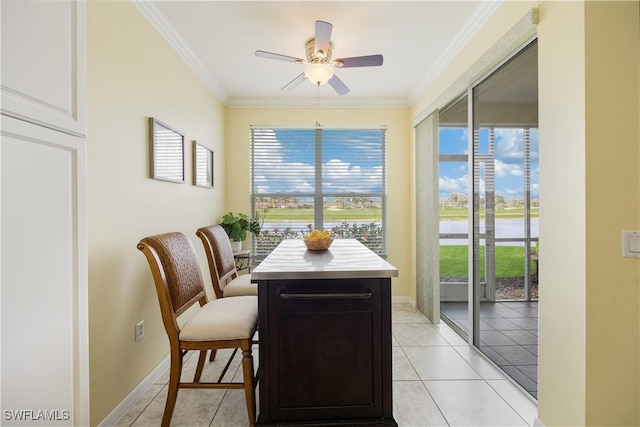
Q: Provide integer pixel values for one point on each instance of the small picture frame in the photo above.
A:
(166, 152)
(202, 166)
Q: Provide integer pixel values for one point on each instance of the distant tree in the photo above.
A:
(278, 199)
(359, 201)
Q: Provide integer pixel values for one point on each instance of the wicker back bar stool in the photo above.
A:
(217, 324)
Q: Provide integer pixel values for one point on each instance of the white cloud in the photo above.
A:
(503, 169)
(453, 185)
(535, 190)
(339, 175)
(336, 169)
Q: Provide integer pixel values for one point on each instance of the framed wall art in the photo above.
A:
(166, 152)
(202, 166)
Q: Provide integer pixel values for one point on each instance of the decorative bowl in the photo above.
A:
(318, 245)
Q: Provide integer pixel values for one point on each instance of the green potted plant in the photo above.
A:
(237, 226)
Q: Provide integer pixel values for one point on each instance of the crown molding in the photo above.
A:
(283, 102)
(469, 29)
(157, 20)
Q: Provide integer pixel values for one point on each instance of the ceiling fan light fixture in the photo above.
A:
(319, 73)
(320, 68)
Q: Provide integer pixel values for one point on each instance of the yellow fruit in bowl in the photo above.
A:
(318, 235)
(318, 240)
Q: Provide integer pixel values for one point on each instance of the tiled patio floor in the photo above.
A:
(508, 336)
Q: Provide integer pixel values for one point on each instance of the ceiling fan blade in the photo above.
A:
(323, 36)
(338, 85)
(277, 56)
(359, 61)
(295, 82)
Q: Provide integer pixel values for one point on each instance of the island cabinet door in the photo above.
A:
(325, 349)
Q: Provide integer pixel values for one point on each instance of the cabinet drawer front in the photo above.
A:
(311, 294)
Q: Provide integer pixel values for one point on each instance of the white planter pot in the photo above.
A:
(236, 246)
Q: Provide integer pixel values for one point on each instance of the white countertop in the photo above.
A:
(346, 258)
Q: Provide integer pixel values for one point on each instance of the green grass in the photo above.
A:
(509, 261)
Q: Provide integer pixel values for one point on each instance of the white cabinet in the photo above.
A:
(43, 252)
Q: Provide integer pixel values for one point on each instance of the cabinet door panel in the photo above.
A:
(328, 359)
(332, 352)
(43, 63)
(43, 274)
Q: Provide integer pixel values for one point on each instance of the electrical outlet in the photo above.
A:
(139, 330)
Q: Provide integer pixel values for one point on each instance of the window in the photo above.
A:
(319, 178)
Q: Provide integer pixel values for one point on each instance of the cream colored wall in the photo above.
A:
(589, 361)
(132, 74)
(399, 161)
(613, 195)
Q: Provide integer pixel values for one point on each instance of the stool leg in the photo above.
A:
(172, 393)
(201, 359)
(249, 388)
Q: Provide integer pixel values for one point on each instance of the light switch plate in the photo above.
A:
(630, 244)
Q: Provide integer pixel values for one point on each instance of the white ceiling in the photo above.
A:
(218, 40)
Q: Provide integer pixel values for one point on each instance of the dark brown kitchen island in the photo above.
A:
(325, 336)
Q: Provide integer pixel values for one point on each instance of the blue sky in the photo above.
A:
(509, 164)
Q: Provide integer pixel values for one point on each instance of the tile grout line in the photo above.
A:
(148, 404)
(505, 400)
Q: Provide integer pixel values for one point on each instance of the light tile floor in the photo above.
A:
(438, 380)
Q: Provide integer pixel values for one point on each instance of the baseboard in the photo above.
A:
(404, 300)
(537, 423)
(116, 415)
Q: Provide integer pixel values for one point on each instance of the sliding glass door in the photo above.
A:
(497, 177)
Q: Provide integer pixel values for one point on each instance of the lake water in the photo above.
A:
(505, 228)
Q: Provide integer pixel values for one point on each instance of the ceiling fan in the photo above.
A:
(320, 67)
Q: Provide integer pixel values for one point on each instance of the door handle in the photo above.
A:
(366, 293)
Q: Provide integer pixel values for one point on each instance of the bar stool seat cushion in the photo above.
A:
(222, 319)
(239, 286)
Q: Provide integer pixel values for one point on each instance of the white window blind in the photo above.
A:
(304, 179)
